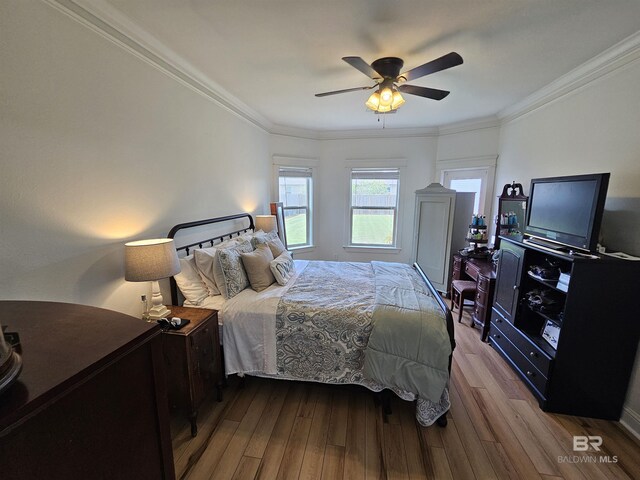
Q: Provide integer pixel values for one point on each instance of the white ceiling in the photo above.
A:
(273, 56)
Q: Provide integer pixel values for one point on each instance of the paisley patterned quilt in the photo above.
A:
(323, 325)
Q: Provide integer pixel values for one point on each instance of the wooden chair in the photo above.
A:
(462, 290)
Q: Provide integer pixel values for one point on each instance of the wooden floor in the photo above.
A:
(275, 429)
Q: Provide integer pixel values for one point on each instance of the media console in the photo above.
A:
(572, 339)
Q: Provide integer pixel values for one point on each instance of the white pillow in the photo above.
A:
(228, 270)
(189, 281)
(283, 268)
(204, 258)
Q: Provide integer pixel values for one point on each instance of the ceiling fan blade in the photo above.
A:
(446, 61)
(335, 92)
(359, 64)
(432, 93)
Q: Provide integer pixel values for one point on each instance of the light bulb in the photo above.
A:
(386, 96)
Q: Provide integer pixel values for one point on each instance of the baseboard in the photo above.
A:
(631, 421)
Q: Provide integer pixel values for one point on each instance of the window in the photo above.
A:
(295, 192)
(374, 206)
(470, 180)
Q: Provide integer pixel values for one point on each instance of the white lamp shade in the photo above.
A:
(266, 223)
(148, 260)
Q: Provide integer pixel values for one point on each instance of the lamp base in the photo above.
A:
(158, 311)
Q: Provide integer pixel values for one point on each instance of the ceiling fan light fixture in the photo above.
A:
(374, 102)
(397, 100)
(386, 96)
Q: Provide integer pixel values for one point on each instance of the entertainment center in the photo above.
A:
(560, 316)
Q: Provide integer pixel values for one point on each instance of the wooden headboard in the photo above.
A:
(207, 242)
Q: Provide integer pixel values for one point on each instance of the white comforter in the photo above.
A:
(249, 333)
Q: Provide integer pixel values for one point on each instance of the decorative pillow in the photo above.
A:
(283, 268)
(206, 264)
(272, 239)
(231, 277)
(189, 281)
(256, 264)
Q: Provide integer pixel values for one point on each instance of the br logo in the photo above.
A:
(582, 443)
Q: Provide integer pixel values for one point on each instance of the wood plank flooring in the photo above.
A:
(272, 429)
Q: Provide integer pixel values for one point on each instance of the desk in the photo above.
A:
(481, 271)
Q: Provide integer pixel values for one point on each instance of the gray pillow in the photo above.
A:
(272, 239)
(256, 264)
(228, 270)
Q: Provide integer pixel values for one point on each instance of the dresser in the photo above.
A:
(480, 271)
(90, 401)
(193, 361)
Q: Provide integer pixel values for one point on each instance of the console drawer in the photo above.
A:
(471, 270)
(483, 283)
(527, 348)
(519, 361)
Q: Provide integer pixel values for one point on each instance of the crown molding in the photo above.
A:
(490, 121)
(107, 21)
(612, 59)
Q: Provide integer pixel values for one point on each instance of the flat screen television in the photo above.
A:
(567, 211)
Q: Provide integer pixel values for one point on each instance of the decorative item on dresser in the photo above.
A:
(480, 271)
(192, 360)
(440, 226)
(152, 260)
(91, 399)
(557, 319)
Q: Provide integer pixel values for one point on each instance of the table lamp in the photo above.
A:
(150, 261)
(266, 223)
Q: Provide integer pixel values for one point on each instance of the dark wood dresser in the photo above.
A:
(91, 401)
(481, 271)
(192, 359)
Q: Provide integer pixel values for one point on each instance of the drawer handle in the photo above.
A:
(530, 374)
(495, 335)
(533, 355)
(515, 287)
(498, 320)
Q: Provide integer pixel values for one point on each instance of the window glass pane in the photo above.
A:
(469, 185)
(293, 191)
(295, 221)
(374, 192)
(372, 226)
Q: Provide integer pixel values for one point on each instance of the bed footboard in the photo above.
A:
(442, 421)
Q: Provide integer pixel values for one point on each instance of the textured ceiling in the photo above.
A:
(275, 55)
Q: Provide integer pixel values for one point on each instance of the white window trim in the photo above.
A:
(301, 162)
(486, 163)
(350, 164)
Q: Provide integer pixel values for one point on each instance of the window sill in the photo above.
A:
(370, 249)
(305, 249)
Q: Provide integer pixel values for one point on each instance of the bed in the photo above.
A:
(380, 325)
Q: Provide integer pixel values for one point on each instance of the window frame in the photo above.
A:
(396, 208)
(297, 163)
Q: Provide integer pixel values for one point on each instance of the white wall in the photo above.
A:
(418, 154)
(98, 148)
(594, 129)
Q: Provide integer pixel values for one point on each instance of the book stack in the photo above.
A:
(563, 282)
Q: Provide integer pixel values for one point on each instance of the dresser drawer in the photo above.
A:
(519, 361)
(484, 283)
(527, 348)
(471, 270)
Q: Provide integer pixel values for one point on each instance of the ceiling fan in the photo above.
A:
(390, 82)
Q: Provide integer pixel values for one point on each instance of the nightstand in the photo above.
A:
(192, 360)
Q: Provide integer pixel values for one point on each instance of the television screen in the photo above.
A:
(567, 210)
